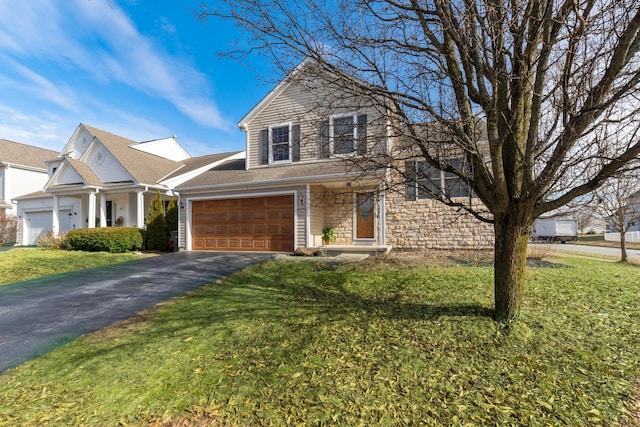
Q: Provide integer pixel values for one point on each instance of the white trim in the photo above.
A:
(307, 228)
(354, 117)
(271, 161)
(188, 200)
(356, 240)
(383, 215)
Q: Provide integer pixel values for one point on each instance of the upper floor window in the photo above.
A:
(425, 181)
(343, 134)
(280, 143)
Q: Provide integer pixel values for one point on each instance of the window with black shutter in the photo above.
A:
(343, 134)
(280, 144)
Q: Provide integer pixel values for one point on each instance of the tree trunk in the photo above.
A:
(623, 246)
(510, 258)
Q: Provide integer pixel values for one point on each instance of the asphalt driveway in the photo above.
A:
(38, 315)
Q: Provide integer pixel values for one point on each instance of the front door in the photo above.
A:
(109, 213)
(365, 213)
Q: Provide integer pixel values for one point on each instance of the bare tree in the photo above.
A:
(8, 228)
(619, 203)
(547, 81)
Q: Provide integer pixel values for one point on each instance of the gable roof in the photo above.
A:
(273, 93)
(16, 153)
(144, 167)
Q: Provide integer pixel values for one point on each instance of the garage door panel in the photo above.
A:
(257, 223)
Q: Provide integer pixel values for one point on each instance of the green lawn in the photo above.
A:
(20, 264)
(384, 342)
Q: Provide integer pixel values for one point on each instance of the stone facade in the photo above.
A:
(429, 224)
(338, 214)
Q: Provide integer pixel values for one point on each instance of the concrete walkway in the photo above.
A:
(39, 315)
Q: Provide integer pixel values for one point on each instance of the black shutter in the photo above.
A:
(361, 144)
(410, 177)
(295, 143)
(324, 148)
(264, 146)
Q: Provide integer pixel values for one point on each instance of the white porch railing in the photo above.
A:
(631, 236)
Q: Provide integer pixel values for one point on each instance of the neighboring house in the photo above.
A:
(299, 176)
(104, 180)
(22, 170)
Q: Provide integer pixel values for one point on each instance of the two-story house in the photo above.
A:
(303, 171)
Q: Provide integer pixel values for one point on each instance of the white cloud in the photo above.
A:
(31, 82)
(98, 40)
(167, 26)
(50, 132)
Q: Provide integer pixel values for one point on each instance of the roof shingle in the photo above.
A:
(26, 155)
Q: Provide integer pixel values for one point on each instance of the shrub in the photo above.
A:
(172, 216)
(157, 236)
(51, 241)
(538, 251)
(8, 228)
(117, 239)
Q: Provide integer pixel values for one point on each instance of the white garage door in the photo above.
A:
(39, 223)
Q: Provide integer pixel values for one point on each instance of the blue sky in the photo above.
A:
(143, 69)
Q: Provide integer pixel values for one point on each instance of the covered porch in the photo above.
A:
(353, 211)
(60, 210)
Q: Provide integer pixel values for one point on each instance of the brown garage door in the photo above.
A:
(248, 224)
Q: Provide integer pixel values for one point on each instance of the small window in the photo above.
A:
(425, 181)
(343, 134)
(454, 186)
(280, 143)
(429, 181)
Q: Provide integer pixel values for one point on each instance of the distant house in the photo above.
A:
(22, 170)
(104, 180)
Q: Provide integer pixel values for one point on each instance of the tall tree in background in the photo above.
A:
(551, 80)
(619, 203)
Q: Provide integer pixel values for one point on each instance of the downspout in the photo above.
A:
(383, 216)
(308, 216)
(180, 207)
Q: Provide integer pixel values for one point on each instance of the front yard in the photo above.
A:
(383, 342)
(18, 264)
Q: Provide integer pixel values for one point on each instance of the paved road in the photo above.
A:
(38, 315)
(633, 254)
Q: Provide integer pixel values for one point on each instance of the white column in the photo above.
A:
(140, 209)
(55, 220)
(103, 209)
(92, 211)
